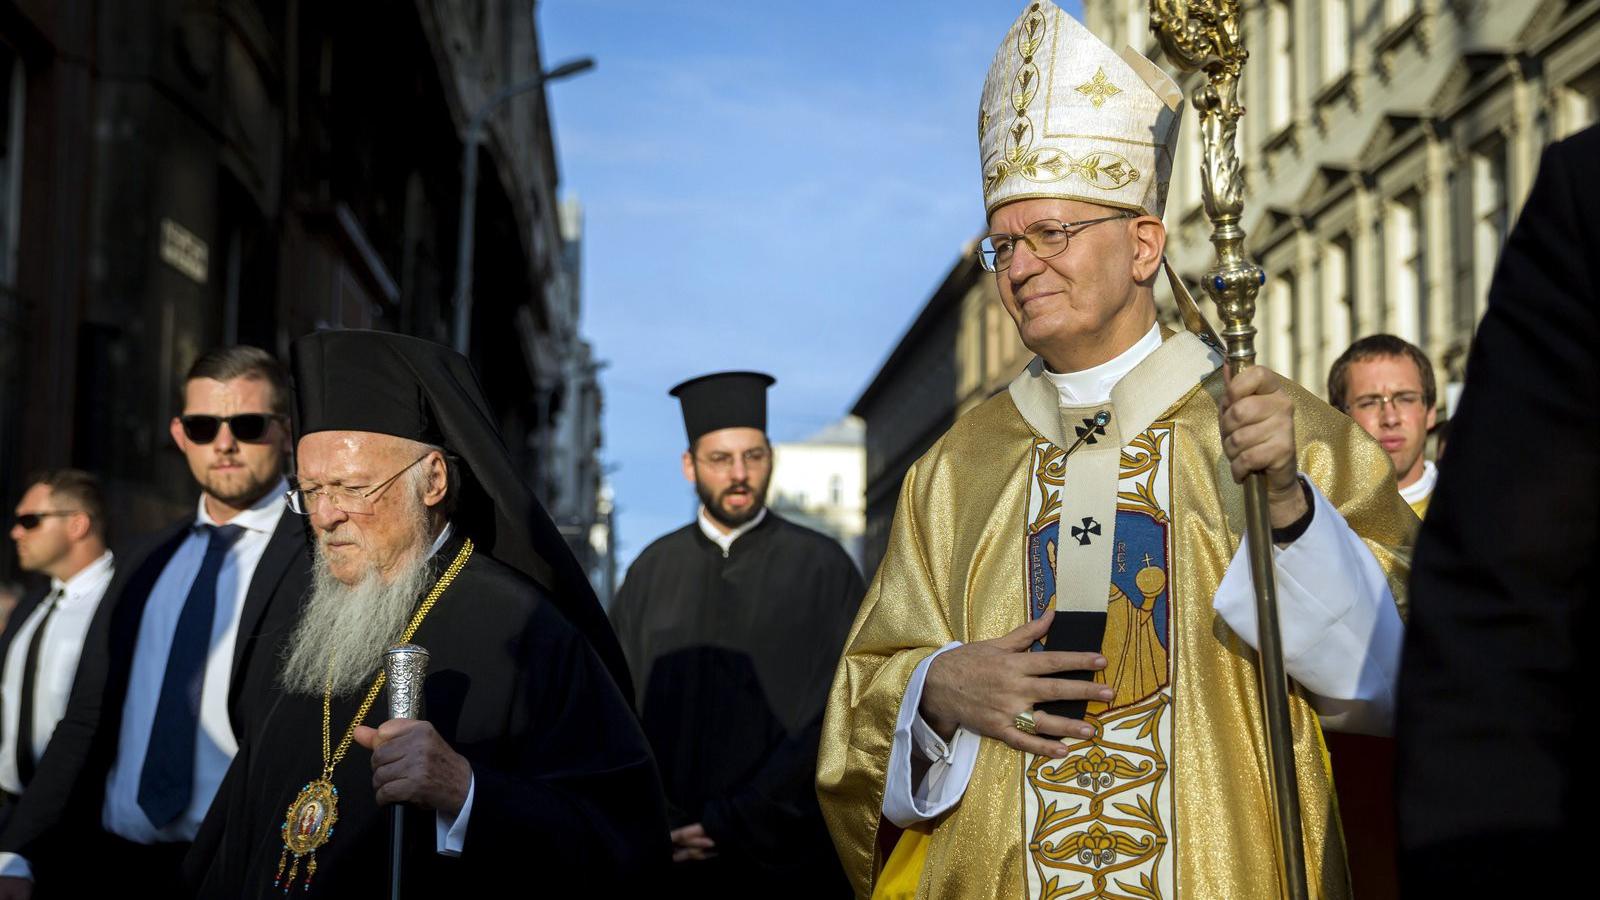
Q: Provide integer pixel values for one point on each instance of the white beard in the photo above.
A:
(345, 629)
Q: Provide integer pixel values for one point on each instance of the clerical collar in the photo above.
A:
(1423, 486)
(725, 541)
(1093, 385)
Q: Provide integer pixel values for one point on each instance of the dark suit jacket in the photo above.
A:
(1493, 773)
(63, 803)
(20, 613)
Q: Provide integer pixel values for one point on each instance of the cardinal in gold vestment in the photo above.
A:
(1104, 479)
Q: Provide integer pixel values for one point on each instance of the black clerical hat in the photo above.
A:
(723, 400)
(374, 381)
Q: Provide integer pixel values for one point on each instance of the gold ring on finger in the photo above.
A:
(1024, 722)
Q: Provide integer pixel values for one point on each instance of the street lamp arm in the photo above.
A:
(566, 69)
(465, 225)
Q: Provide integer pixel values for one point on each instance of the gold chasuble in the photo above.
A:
(995, 525)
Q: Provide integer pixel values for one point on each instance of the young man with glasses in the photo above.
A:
(1086, 523)
(179, 658)
(1386, 384)
(732, 625)
(59, 531)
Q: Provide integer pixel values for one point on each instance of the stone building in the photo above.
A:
(959, 351)
(1387, 148)
(179, 174)
(818, 482)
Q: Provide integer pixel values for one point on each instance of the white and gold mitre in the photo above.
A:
(1065, 116)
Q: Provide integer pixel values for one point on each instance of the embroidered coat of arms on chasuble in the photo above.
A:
(1170, 798)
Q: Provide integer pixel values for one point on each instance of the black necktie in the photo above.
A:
(167, 781)
(30, 678)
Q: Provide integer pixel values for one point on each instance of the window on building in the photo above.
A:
(1139, 36)
(969, 346)
(1397, 11)
(1350, 286)
(1458, 182)
(1491, 214)
(1280, 86)
(995, 325)
(1338, 308)
(1579, 104)
(1376, 313)
(1186, 173)
(1335, 39)
(1277, 324)
(1407, 272)
(836, 490)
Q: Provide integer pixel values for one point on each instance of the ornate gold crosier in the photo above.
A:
(1205, 35)
(308, 823)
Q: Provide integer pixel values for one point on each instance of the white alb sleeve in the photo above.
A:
(1341, 631)
(950, 763)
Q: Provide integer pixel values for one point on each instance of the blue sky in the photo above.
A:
(766, 186)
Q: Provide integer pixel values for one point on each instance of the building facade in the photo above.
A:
(572, 469)
(1388, 147)
(177, 175)
(960, 350)
(820, 483)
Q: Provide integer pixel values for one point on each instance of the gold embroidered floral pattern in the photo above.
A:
(1099, 89)
(1019, 156)
(1097, 823)
(1049, 474)
(1100, 169)
(1104, 169)
(1099, 815)
(1096, 771)
(1142, 457)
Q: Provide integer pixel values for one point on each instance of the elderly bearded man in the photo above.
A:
(1107, 468)
(530, 764)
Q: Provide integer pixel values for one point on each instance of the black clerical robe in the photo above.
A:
(732, 656)
(565, 792)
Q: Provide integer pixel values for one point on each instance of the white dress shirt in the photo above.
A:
(725, 540)
(77, 598)
(214, 741)
(1341, 631)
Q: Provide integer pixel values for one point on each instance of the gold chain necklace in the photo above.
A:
(308, 824)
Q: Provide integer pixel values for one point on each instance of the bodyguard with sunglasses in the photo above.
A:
(60, 532)
(180, 657)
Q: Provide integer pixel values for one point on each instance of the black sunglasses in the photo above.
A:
(247, 427)
(30, 521)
